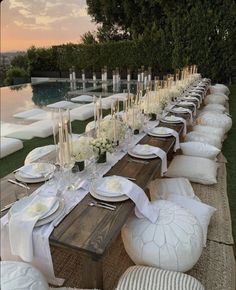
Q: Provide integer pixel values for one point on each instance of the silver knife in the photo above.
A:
(7, 206)
(18, 183)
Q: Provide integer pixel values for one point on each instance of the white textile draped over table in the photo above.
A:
(42, 256)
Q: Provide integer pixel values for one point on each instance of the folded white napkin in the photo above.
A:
(165, 130)
(189, 98)
(114, 185)
(21, 225)
(182, 109)
(153, 150)
(35, 170)
(186, 103)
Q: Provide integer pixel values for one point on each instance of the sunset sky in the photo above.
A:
(42, 23)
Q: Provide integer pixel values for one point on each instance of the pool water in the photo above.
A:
(21, 98)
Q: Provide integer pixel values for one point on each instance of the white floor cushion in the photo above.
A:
(19, 275)
(196, 169)
(200, 210)
(215, 119)
(9, 146)
(83, 112)
(8, 128)
(82, 98)
(28, 113)
(160, 188)
(208, 129)
(62, 105)
(219, 88)
(199, 149)
(150, 278)
(214, 107)
(90, 126)
(215, 99)
(120, 96)
(174, 242)
(107, 102)
(204, 138)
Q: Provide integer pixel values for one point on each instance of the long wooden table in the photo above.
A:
(91, 230)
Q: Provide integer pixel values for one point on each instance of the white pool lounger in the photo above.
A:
(29, 113)
(41, 129)
(82, 113)
(62, 105)
(82, 98)
(9, 146)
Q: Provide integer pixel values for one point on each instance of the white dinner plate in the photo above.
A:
(157, 132)
(107, 198)
(53, 213)
(131, 153)
(103, 186)
(167, 119)
(31, 180)
(36, 170)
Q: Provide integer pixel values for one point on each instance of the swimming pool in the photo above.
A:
(20, 98)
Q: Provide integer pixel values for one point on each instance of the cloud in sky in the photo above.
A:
(52, 20)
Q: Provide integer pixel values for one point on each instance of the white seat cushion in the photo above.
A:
(9, 146)
(219, 88)
(215, 119)
(199, 149)
(196, 169)
(160, 188)
(208, 129)
(214, 107)
(216, 99)
(211, 139)
(200, 210)
(149, 278)
(19, 275)
(173, 242)
(120, 96)
(107, 102)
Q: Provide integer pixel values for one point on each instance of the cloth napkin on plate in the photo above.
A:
(172, 132)
(153, 150)
(185, 110)
(186, 103)
(21, 225)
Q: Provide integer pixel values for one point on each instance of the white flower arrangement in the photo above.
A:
(82, 149)
(102, 145)
(107, 129)
(134, 118)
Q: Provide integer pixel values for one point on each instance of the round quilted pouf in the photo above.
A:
(215, 119)
(174, 242)
(216, 99)
(19, 275)
(219, 88)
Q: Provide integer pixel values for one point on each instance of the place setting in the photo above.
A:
(35, 172)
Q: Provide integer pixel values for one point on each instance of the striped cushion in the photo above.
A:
(148, 278)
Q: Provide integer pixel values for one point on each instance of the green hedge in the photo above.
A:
(122, 54)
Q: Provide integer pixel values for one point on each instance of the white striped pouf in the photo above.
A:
(148, 278)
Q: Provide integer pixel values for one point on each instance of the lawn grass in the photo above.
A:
(229, 151)
(15, 160)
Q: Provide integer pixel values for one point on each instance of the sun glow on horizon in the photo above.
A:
(42, 23)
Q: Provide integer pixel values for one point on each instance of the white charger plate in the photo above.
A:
(54, 212)
(106, 198)
(31, 180)
(131, 153)
(30, 171)
(173, 121)
(125, 184)
(156, 134)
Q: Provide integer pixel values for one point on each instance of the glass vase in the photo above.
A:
(102, 158)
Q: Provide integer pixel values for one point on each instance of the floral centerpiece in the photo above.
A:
(112, 129)
(101, 146)
(82, 150)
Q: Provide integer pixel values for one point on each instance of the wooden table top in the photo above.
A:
(91, 230)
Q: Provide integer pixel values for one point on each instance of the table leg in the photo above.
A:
(92, 274)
